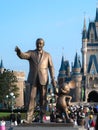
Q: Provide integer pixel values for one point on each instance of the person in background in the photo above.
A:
(96, 123)
(2, 124)
(12, 118)
(91, 122)
(18, 118)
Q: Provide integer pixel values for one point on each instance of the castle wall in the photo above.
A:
(20, 84)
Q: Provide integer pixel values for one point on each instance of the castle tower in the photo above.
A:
(90, 55)
(64, 72)
(77, 77)
(89, 43)
(84, 48)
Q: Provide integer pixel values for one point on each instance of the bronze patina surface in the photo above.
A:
(40, 62)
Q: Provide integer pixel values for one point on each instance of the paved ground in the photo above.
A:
(40, 126)
(45, 128)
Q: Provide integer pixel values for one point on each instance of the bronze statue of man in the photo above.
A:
(40, 62)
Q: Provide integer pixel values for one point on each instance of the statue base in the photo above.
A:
(48, 126)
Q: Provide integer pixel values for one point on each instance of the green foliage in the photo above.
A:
(8, 84)
(6, 115)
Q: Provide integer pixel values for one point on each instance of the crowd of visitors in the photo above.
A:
(15, 119)
(82, 115)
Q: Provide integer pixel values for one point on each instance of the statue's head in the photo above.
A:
(39, 44)
(65, 88)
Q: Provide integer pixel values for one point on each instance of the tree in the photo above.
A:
(8, 84)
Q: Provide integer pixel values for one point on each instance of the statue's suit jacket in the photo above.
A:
(38, 69)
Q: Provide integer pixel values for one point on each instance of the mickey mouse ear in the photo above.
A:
(71, 84)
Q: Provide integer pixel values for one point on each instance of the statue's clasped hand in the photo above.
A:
(54, 83)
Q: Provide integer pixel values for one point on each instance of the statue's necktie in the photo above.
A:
(39, 57)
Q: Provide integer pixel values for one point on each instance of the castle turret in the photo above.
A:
(1, 66)
(77, 77)
(84, 47)
(61, 76)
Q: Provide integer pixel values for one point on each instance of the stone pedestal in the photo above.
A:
(48, 126)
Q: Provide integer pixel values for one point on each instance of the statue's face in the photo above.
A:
(66, 87)
(39, 45)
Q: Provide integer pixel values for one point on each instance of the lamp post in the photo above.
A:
(12, 100)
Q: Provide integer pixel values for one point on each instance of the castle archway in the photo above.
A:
(93, 96)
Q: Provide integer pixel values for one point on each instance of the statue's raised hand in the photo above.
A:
(17, 49)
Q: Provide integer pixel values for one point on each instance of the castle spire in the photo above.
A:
(84, 33)
(76, 62)
(62, 68)
(1, 64)
(84, 28)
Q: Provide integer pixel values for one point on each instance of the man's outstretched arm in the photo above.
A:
(22, 55)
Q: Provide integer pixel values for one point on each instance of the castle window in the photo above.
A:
(93, 71)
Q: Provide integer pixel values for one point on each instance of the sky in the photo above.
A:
(58, 22)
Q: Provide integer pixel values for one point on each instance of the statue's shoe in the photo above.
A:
(27, 122)
(59, 120)
(69, 121)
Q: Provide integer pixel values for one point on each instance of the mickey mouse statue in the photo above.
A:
(63, 101)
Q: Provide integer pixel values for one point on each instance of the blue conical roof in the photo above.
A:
(62, 68)
(77, 62)
(1, 64)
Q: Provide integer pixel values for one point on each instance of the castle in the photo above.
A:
(84, 74)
